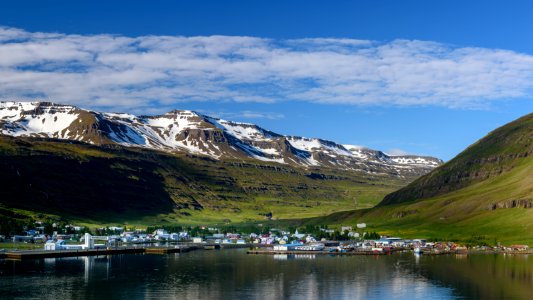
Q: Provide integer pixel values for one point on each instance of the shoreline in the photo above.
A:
(39, 254)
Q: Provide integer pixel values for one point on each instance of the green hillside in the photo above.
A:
(113, 184)
(499, 152)
(486, 191)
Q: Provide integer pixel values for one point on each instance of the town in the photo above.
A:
(346, 240)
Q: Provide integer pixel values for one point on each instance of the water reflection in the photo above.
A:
(230, 274)
(293, 256)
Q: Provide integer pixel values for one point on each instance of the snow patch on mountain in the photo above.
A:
(188, 131)
(32, 118)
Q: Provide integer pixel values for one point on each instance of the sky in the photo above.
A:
(419, 77)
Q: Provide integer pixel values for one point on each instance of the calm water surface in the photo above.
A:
(232, 274)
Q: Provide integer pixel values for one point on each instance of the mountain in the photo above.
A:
(59, 161)
(486, 192)
(187, 131)
(496, 155)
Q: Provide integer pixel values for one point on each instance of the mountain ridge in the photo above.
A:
(484, 195)
(493, 155)
(188, 131)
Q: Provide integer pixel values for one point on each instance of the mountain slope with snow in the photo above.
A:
(191, 132)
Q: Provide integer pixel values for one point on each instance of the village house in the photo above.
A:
(519, 247)
(346, 228)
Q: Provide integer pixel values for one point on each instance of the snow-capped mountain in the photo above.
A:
(188, 131)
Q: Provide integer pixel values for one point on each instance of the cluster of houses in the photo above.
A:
(279, 240)
(381, 245)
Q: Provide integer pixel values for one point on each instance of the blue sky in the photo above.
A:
(427, 77)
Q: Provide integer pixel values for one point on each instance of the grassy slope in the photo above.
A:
(495, 154)
(457, 200)
(95, 185)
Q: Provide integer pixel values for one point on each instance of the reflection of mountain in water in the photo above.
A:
(229, 274)
(482, 276)
(223, 274)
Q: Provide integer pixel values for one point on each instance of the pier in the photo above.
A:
(298, 252)
(37, 254)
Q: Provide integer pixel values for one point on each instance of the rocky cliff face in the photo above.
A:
(191, 132)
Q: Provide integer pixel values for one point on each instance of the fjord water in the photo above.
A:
(232, 274)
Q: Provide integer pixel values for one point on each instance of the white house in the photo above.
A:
(344, 228)
(174, 236)
(310, 239)
(160, 232)
(298, 235)
(353, 234)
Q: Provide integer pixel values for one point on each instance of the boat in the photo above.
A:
(417, 250)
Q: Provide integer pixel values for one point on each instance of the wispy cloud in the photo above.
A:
(246, 114)
(134, 73)
(397, 152)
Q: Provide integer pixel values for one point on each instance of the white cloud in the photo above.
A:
(397, 152)
(125, 73)
(246, 114)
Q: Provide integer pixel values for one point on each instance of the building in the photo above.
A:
(62, 245)
(354, 234)
(311, 247)
(346, 228)
(54, 245)
(519, 247)
(286, 247)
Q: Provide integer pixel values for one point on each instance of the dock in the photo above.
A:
(299, 252)
(37, 254)
(32, 254)
(168, 250)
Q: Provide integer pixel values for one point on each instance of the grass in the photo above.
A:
(115, 185)
(20, 246)
(457, 215)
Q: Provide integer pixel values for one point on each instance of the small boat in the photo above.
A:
(418, 250)
(209, 247)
